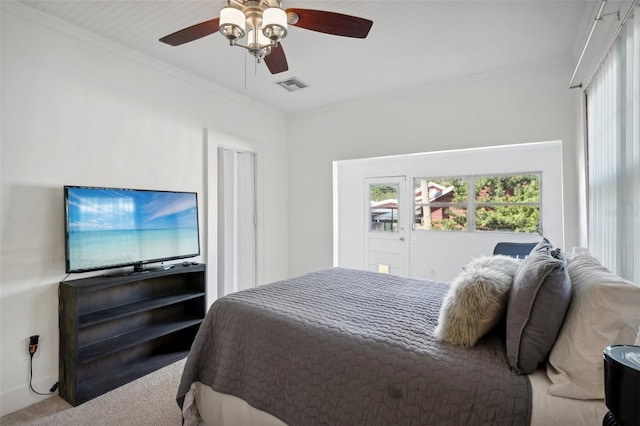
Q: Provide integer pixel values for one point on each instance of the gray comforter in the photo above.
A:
(346, 347)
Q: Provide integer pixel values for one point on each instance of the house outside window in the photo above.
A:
(499, 203)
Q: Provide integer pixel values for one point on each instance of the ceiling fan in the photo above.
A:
(268, 22)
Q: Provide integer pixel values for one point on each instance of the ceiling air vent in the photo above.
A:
(292, 84)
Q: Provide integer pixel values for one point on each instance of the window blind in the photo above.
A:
(613, 147)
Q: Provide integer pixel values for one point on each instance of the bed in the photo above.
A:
(347, 347)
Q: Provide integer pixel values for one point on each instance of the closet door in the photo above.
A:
(236, 221)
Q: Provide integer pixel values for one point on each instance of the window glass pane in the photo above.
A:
(440, 190)
(440, 203)
(383, 215)
(507, 189)
(511, 218)
(443, 218)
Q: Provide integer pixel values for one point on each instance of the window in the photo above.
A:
(506, 203)
(383, 201)
(441, 203)
(613, 143)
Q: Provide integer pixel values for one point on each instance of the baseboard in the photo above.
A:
(20, 397)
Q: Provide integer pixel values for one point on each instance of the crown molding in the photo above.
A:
(55, 24)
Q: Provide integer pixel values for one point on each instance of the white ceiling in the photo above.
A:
(411, 43)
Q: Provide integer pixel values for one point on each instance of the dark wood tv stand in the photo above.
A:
(115, 329)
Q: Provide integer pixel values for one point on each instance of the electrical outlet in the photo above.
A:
(25, 348)
(432, 272)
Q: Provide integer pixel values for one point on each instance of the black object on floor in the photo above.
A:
(622, 385)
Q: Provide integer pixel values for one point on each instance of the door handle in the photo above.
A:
(401, 238)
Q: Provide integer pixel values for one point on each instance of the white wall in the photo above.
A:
(439, 255)
(521, 106)
(79, 110)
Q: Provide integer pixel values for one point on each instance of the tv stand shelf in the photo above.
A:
(115, 329)
(117, 343)
(93, 318)
(121, 376)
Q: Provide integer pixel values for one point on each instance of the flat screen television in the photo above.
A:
(112, 227)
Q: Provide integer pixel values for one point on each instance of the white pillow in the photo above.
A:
(604, 310)
(499, 262)
(476, 301)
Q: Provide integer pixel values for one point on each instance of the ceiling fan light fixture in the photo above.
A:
(256, 38)
(258, 44)
(232, 23)
(274, 24)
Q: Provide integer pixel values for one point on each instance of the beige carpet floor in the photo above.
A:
(150, 400)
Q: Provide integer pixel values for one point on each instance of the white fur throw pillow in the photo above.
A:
(477, 300)
(499, 262)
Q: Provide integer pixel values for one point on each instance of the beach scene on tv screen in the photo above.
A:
(112, 227)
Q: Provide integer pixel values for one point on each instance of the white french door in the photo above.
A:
(236, 221)
(387, 222)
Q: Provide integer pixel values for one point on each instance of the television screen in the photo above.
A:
(111, 227)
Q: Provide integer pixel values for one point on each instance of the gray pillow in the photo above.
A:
(537, 305)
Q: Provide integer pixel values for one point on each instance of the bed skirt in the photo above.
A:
(211, 408)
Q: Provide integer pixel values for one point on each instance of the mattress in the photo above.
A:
(555, 410)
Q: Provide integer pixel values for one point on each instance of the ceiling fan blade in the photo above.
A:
(276, 60)
(331, 23)
(191, 33)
